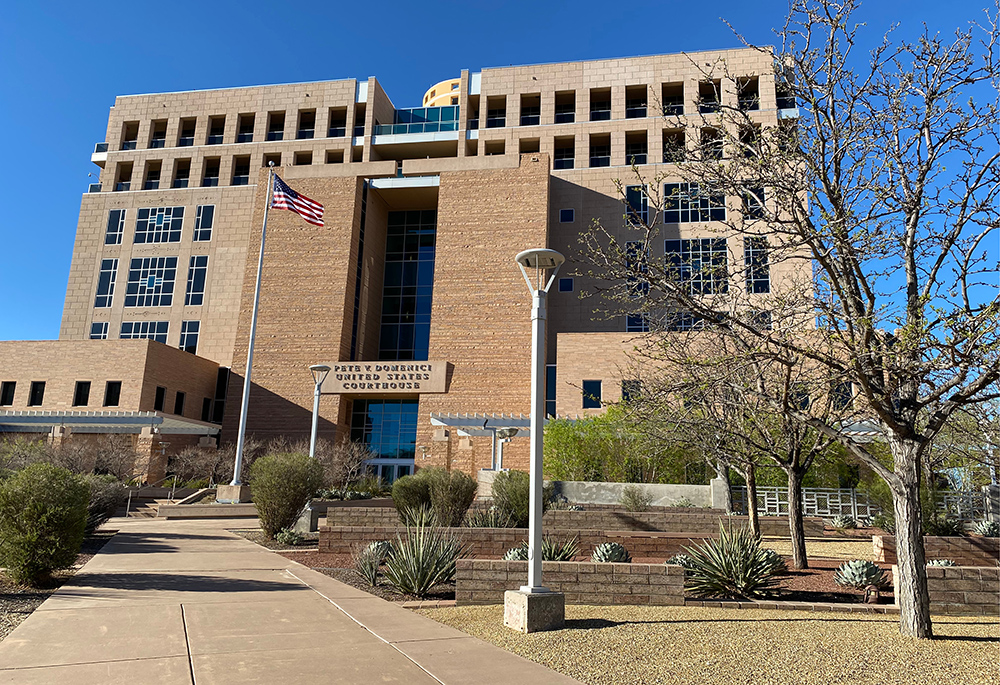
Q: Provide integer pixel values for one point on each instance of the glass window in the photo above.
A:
(637, 263)
(197, 273)
(139, 330)
(179, 403)
(112, 393)
(116, 227)
(636, 206)
(189, 336)
(99, 330)
(758, 271)
(203, 223)
(841, 395)
(636, 323)
(159, 225)
(702, 263)
(161, 396)
(686, 203)
(592, 394)
(106, 283)
(408, 285)
(151, 282)
(565, 285)
(564, 157)
(550, 390)
(600, 154)
(631, 389)
(683, 321)
(567, 216)
(753, 203)
(81, 394)
(387, 427)
(7, 393)
(36, 394)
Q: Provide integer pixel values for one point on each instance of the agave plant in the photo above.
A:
(941, 562)
(519, 553)
(682, 560)
(610, 552)
(990, 529)
(844, 522)
(421, 559)
(859, 574)
(734, 566)
(551, 551)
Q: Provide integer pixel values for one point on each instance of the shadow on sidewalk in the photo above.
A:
(175, 582)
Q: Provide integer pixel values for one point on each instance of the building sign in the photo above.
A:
(388, 377)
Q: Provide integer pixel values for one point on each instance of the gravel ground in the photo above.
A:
(668, 645)
(825, 549)
(309, 541)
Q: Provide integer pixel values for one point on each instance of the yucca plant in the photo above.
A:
(422, 559)
(417, 515)
(367, 560)
(941, 562)
(859, 574)
(735, 566)
(488, 518)
(990, 529)
(551, 550)
(610, 552)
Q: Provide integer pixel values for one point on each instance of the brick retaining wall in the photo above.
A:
(493, 542)
(481, 581)
(962, 590)
(964, 551)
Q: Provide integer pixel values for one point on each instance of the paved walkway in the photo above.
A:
(189, 602)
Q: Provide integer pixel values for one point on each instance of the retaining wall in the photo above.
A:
(962, 590)
(481, 581)
(964, 551)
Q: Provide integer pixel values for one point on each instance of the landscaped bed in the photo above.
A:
(666, 645)
(18, 601)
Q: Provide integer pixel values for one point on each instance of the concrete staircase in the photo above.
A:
(143, 508)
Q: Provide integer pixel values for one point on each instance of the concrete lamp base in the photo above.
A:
(532, 612)
(232, 494)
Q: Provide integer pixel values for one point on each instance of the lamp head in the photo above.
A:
(319, 372)
(541, 260)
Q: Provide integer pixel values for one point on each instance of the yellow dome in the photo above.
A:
(442, 93)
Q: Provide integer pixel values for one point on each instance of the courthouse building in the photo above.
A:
(409, 289)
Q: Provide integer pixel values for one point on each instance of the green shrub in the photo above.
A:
(943, 526)
(884, 521)
(611, 553)
(416, 516)
(859, 574)
(411, 493)
(452, 493)
(287, 536)
(107, 495)
(511, 496)
(372, 485)
(734, 566)
(551, 550)
(635, 498)
(488, 518)
(43, 514)
(422, 559)
(282, 484)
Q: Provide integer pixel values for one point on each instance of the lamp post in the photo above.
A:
(319, 374)
(540, 262)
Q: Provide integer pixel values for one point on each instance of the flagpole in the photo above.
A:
(253, 332)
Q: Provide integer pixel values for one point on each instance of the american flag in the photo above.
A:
(286, 198)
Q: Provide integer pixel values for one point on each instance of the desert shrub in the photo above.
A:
(511, 495)
(371, 484)
(884, 521)
(681, 560)
(422, 559)
(734, 566)
(287, 536)
(683, 502)
(635, 498)
(411, 493)
(343, 462)
(844, 522)
(107, 495)
(552, 550)
(452, 493)
(944, 526)
(859, 574)
(990, 529)
(611, 553)
(282, 484)
(43, 513)
(488, 518)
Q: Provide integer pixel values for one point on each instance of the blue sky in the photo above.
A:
(63, 63)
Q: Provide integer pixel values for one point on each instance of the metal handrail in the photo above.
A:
(173, 490)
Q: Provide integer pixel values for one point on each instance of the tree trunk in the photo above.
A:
(722, 471)
(911, 585)
(754, 520)
(795, 526)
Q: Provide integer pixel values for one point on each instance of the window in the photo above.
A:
(496, 112)
(566, 107)
(241, 171)
(182, 173)
(631, 389)
(179, 403)
(683, 321)
(636, 206)
(303, 158)
(151, 282)
(99, 330)
(760, 319)
(130, 135)
(454, 101)
(686, 203)
(673, 99)
(841, 395)
(748, 93)
(144, 330)
(711, 144)
(159, 225)
(636, 323)
(550, 390)
(338, 123)
(753, 204)
(673, 147)
(708, 96)
(158, 134)
(203, 223)
(565, 285)
(272, 160)
(152, 181)
(334, 156)
(635, 147)
(36, 394)
(210, 177)
(197, 271)
(784, 95)
(756, 262)
(160, 398)
(244, 133)
(106, 283)
(600, 104)
(635, 102)
(387, 427)
(408, 285)
(116, 227)
(637, 263)
(600, 151)
(307, 124)
(186, 136)
(206, 409)
(216, 130)
(112, 393)
(567, 216)
(123, 177)
(7, 393)
(189, 336)
(531, 110)
(798, 397)
(564, 153)
(81, 394)
(701, 263)
(592, 394)
(749, 142)
(275, 125)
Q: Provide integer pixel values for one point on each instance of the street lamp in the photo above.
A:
(504, 435)
(540, 262)
(319, 374)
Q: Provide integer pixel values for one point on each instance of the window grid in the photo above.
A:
(685, 203)
(636, 323)
(203, 222)
(159, 225)
(116, 227)
(194, 295)
(683, 321)
(387, 427)
(106, 283)
(550, 390)
(753, 204)
(408, 285)
(701, 263)
(637, 262)
(151, 282)
(145, 330)
(637, 206)
(99, 330)
(189, 336)
(758, 271)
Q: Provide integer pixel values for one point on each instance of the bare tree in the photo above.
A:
(876, 209)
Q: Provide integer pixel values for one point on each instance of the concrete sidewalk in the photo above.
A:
(189, 602)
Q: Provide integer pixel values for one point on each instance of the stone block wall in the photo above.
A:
(481, 581)
(964, 551)
(963, 590)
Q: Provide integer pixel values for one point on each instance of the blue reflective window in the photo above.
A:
(387, 427)
(408, 285)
